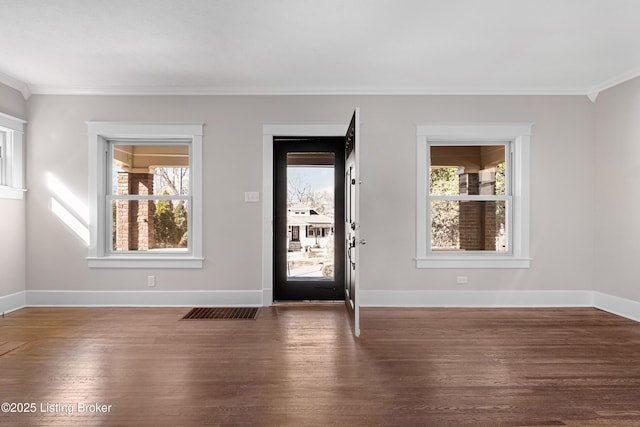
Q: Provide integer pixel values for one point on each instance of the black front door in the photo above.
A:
(308, 252)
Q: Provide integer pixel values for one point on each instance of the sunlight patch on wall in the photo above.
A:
(68, 208)
(63, 194)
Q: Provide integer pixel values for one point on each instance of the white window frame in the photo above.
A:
(518, 138)
(100, 135)
(12, 170)
(113, 196)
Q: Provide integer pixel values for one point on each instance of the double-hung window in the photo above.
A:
(473, 196)
(11, 157)
(147, 190)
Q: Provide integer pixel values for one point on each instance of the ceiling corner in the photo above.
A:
(608, 84)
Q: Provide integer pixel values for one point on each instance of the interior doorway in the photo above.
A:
(308, 218)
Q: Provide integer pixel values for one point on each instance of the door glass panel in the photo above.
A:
(310, 217)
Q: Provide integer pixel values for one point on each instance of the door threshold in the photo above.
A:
(307, 302)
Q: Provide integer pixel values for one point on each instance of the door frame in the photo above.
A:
(268, 132)
(292, 289)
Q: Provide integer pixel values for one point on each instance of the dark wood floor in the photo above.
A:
(299, 366)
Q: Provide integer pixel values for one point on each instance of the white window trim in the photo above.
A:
(100, 133)
(13, 159)
(519, 135)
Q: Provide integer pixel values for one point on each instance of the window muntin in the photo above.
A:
(469, 197)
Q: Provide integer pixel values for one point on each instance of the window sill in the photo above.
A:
(145, 262)
(472, 262)
(11, 193)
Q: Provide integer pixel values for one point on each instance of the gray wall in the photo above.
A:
(562, 186)
(616, 191)
(12, 214)
(12, 102)
(12, 249)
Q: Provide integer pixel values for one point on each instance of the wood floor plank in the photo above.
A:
(299, 365)
(6, 347)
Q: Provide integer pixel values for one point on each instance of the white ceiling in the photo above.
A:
(318, 46)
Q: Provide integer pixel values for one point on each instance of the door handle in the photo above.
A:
(362, 242)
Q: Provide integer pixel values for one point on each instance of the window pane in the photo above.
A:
(445, 232)
(149, 225)
(467, 170)
(444, 181)
(468, 226)
(310, 216)
(150, 169)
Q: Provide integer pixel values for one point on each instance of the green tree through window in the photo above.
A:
(444, 215)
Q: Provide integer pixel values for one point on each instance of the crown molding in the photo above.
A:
(208, 90)
(614, 81)
(591, 92)
(593, 96)
(16, 84)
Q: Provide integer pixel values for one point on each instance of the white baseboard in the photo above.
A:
(495, 299)
(616, 305)
(479, 299)
(267, 297)
(13, 302)
(143, 298)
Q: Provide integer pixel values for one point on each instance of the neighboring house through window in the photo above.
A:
(146, 195)
(11, 157)
(317, 228)
(473, 196)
